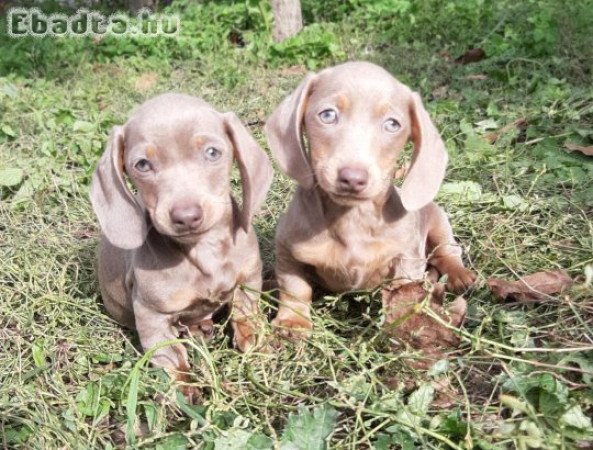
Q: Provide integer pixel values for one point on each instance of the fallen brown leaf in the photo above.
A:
(579, 148)
(531, 287)
(444, 54)
(293, 70)
(471, 56)
(477, 77)
(418, 329)
(440, 92)
(493, 137)
(145, 82)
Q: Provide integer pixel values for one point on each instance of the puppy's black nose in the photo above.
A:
(353, 179)
(186, 218)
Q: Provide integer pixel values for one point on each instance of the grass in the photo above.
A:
(522, 378)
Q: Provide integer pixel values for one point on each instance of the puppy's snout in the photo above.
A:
(353, 179)
(186, 217)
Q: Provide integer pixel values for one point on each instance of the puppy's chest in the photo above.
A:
(200, 288)
(362, 259)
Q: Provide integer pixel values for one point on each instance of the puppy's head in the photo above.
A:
(357, 119)
(178, 152)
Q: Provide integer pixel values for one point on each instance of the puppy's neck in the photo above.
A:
(386, 207)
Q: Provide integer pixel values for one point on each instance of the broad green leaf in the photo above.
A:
(439, 367)
(420, 399)
(173, 442)
(486, 125)
(462, 190)
(10, 176)
(259, 441)
(515, 202)
(584, 363)
(38, 354)
(81, 125)
(574, 417)
(308, 431)
(232, 439)
(7, 130)
(524, 383)
(518, 406)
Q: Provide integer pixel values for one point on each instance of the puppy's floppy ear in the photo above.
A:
(121, 217)
(429, 160)
(254, 166)
(284, 132)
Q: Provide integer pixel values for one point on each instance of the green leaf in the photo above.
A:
(7, 130)
(195, 412)
(38, 354)
(586, 364)
(10, 176)
(173, 442)
(232, 439)
(574, 417)
(515, 202)
(151, 412)
(131, 403)
(439, 367)
(259, 441)
(420, 400)
(524, 383)
(306, 431)
(85, 127)
(462, 190)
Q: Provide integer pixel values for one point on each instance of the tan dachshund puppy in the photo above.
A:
(348, 227)
(177, 251)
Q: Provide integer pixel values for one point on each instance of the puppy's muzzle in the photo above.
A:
(186, 218)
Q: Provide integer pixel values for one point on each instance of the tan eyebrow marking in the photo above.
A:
(151, 151)
(199, 141)
(381, 109)
(343, 103)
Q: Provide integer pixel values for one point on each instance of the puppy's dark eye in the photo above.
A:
(212, 154)
(143, 165)
(328, 116)
(391, 125)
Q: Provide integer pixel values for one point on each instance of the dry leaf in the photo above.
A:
(293, 70)
(444, 54)
(417, 328)
(440, 92)
(493, 137)
(145, 82)
(579, 148)
(471, 56)
(531, 287)
(477, 77)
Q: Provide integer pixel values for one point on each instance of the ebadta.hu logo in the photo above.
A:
(23, 22)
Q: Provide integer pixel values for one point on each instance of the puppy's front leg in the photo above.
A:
(155, 328)
(294, 312)
(245, 315)
(446, 253)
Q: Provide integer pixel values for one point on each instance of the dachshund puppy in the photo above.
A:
(179, 249)
(339, 135)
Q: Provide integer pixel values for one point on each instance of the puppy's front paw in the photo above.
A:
(202, 329)
(245, 336)
(193, 395)
(460, 279)
(293, 328)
